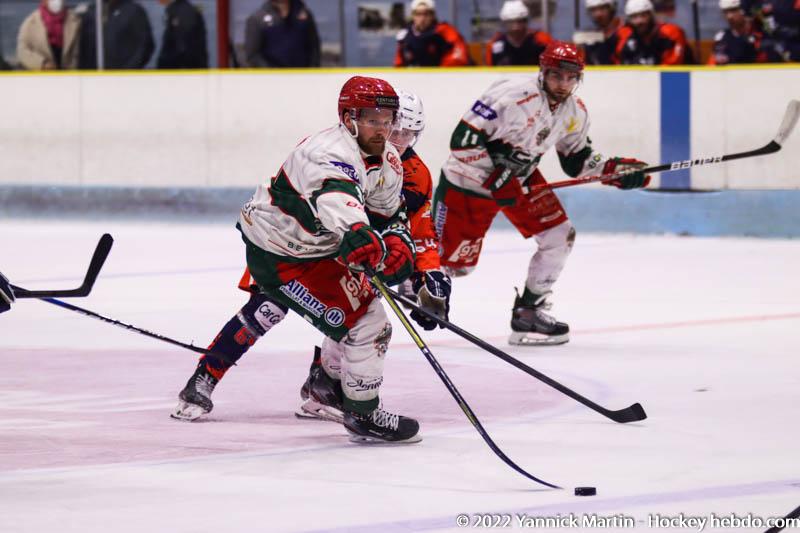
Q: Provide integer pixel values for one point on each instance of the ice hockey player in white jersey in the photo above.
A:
(333, 207)
(495, 150)
(429, 286)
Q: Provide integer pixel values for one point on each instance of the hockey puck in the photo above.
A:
(585, 491)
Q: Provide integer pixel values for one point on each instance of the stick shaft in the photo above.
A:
(462, 403)
(632, 413)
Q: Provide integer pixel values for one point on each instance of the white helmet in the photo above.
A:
(411, 121)
(590, 4)
(514, 10)
(633, 7)
(427, 4)
(730, 4)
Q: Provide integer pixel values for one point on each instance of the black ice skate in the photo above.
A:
(531, 326)
(195, 398)
(380, 427)
(322, 395)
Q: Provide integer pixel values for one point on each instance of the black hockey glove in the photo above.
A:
(433, 295)
(6, 294)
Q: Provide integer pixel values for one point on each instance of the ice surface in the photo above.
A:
(705, 333)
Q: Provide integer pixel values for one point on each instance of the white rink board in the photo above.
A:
(235, 128)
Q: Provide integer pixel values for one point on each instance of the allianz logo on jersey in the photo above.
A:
(300, 294)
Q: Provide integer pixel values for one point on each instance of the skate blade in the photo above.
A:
(366, 439)
(312, 409)
(187, 411)
(529, 338)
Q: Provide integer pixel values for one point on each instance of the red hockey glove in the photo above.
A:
(634, 180)
(505, 187)
(399, 262)
(361, 245)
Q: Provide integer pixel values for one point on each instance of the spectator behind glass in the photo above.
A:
(426, 42)
(779, 21)
(518, 45)
(739, 43)
(282, 33)
(645, 41)
(127, 36)
(184, 41)
(600, 48)
(48, 38)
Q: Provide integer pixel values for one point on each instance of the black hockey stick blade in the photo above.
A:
(788, 123)
(632, 413)
(98, 259)
(451, 388)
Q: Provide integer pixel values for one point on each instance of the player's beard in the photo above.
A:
(375, 145)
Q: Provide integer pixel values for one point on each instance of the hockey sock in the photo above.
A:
(242, 331)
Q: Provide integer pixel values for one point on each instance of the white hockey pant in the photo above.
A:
(554, 246)
(358, 358)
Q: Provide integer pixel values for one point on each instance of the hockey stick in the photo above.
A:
(387, 294)
(98, 258)
(696, 26)
(135, 329)
(787, 521)
(632, 413)
(788, 123)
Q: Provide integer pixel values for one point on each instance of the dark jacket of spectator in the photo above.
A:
(439, 46)
(501, 52)
(49, 40)
(779, 20)
(665, 45)
(184, 41)
(732, 47)
(602, 52)
(273, 41)
(127, 37)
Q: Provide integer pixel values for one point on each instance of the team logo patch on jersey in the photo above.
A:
(334, 316)
(348, 170)
(395, 163)
(300, 294)
(542, 135)
(483, 110)
(572, 125)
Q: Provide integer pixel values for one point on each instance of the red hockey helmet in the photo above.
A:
(562, 55)
(360, 92)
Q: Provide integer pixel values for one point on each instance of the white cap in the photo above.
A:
(514, 10)
(598, 3)
(730, 4)
(633, 7)
(424, 4)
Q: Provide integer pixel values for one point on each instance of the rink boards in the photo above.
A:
(233, 128)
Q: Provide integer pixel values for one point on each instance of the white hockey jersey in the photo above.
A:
(512, 125)
(324, 187)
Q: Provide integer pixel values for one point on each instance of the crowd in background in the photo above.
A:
(283, 33)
